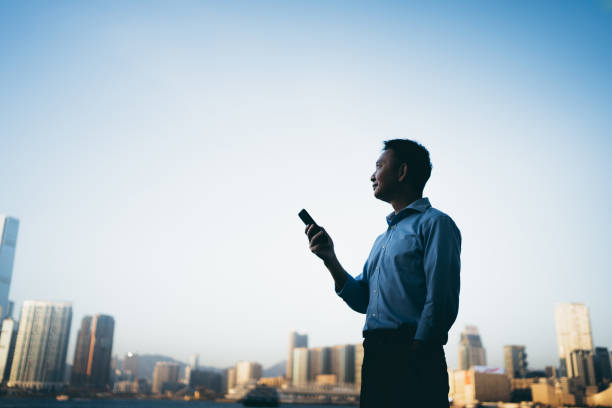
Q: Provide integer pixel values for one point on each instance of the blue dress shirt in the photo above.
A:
(412, 274)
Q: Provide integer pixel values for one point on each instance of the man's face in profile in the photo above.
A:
(384, 179)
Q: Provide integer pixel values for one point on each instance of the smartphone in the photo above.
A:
(308, 220)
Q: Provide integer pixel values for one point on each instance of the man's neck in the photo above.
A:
(402, 202)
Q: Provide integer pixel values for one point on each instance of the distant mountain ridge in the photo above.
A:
(147, 365)
(277, 370)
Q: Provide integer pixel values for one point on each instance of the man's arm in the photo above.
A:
(354, 291)
(442, 248)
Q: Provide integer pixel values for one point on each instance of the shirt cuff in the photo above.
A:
(423, 331)
(350, 288)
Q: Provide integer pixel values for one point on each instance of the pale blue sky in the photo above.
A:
(157, 154)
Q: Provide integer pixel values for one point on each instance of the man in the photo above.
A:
(409, 287)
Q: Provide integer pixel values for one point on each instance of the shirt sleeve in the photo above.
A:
(355, 291)
(442, 248)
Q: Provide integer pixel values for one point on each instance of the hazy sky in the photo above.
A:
(157, 155)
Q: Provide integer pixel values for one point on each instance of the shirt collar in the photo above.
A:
(420, 205)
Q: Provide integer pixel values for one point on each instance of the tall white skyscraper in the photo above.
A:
(573, 333)
(42, 341)
(8, 241)
(471, 350)
(8, 336)
(295, 340)
(300, 366)
(247, 371)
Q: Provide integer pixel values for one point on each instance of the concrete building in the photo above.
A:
(573, 333)
(9, 227)
(554, 392)
(603, 368)
(165, 377)
(358, 364)
(231, 378)
(295, 340)
(100, 351)
(131, 366)
(247, 371)
(42, 342)
(209, 380)
(78, 376)
(343, 363)
(300, 366)
(471, 350)
(479, 384)
(8, 339)
(515, 360)
(582, 366)
(320, 362)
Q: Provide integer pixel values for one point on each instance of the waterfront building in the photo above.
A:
(165, 377)
(603, 368)
(573, 333)
(358, 364)
(8, 338)
(131, 366)
(9, 227)
(478, 384)
(515, 359)
(582, 366)
(471, 350)
(78, 375)
(319, 362)
(42, 342)
(343, 363)
(231, 378)
(300, 366)
(247, 371)
(100, 351)
(295, 340)
(194, 361)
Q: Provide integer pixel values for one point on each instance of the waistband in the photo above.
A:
(403, 334)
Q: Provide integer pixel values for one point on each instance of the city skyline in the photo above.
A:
(134, 138)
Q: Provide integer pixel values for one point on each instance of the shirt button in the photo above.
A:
(374, 291)
(374, 315)
(383, 247)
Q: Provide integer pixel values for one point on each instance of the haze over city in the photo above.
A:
(157, 157)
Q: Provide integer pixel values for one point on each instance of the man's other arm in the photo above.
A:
(442, 249)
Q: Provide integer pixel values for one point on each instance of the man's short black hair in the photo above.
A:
(416, 156)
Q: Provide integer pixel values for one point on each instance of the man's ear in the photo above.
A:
(402, 172)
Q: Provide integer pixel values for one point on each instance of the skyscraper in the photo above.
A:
(8, 241)
(247, 371)
(320, 362)
(295, 340)
(42, 341)
(8, 338)
(100, 351)
(165, 376)
(78, 376)
(515, 359)
(358, 364)
(343, 363)
(300, 366)
(131, 366)
(603, 368)
(573, 333)
(471, 351)
(194, 361)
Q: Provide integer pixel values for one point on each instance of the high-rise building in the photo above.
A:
(603, 368)
(471, 350)
(358, 364)
(131, 366)
(515, 359)
(195, 361)
(343, 363)
(573, 333)
(300, 366)
(582, 366)
(42, 342)
(231, 378)
(165, 376)
(8, 338)
(78, 376)
(320, 362)
(247, 371)
(100, 351)
(295, 340)
(8, 241)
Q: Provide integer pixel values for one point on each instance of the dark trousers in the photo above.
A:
(394, 376)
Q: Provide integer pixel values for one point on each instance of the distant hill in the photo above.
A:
(277, 370)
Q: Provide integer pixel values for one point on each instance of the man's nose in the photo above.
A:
(372, 178)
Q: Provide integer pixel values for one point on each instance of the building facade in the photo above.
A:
(9, 227)
(301, 365)
(573, 326)
(42, 342)
(165, 377)
(515, 360)
(247, 371)
(8, 338)
(100, 351)
(320, 362)
(603, 368)
(78, 375)
(471, 350)
(295, 340)
(343, 363)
